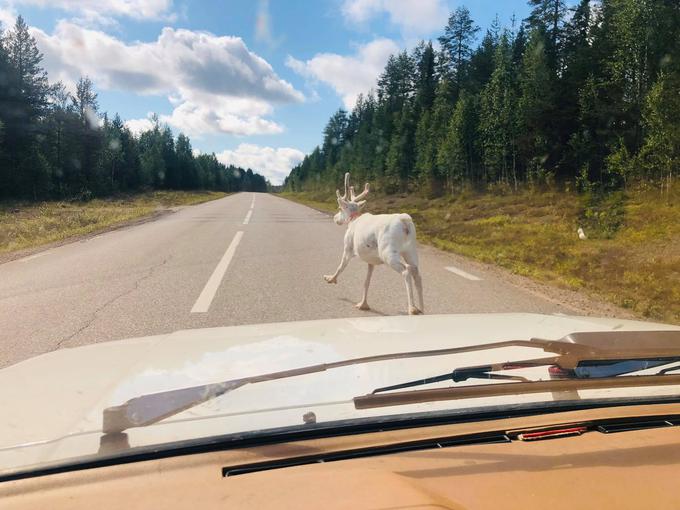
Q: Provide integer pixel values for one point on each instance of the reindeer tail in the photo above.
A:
(408, 226)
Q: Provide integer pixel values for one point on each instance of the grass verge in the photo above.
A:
(631, 257)
(29, 225)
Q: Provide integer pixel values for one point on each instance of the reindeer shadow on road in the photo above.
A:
(372, 311)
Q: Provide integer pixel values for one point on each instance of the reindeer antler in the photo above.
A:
(360, 196)
(337, 191)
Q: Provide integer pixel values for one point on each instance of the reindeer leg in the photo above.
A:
(363, 305)
(411, 259)
(346, 256)
(395, 263)
(419, 287)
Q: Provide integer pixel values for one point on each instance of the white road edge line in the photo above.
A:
(247, 220)
(208, 293)
(252, 202)
(462, 273)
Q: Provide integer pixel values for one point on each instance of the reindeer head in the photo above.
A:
(349, 209)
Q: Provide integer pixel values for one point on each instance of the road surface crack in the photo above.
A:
(148, 274)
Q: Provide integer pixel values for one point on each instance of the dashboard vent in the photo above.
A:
(610, 428)
(364, 452)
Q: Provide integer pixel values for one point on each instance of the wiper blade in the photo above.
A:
(586, 369)
(520, 388)
(571, 349)
(451, 376)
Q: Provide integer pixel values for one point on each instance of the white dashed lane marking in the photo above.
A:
(462, 273)
(250, 212)
(207, 295)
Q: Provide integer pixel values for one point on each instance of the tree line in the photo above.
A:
(587, 95)
(57, 144)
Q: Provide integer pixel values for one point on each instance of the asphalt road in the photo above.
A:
(163, 275)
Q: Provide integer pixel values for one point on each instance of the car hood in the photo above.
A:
(52, 404)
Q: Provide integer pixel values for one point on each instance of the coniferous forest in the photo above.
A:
(55, 143)
(584, 95)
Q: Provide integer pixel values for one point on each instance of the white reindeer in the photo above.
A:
(378, 239)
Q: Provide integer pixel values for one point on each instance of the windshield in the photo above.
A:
(209, 212)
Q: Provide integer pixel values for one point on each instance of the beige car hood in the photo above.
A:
(52, 404)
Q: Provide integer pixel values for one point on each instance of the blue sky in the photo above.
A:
(252, 80)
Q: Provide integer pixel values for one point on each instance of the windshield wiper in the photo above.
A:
(520, 388)
(586, 369)
(571, 350)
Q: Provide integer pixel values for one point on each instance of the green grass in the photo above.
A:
(28, 225)
(631, 257)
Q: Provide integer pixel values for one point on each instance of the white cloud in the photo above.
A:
(348, 75)
(137, 126)
(7, 18)
(414, 17)
(274, 164)
(201, 119)
(215, 83)
(99, 9)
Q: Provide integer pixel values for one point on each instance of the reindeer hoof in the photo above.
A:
(414, 311)
(362, 306)
(330, 278)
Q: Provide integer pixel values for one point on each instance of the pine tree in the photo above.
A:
(536, 105)
(630, 65)
(459, 34)
(185, 176)
(152, 164)
(457, 152)
(400, 156)
(577, 49)
(426, 79)
(333, 136)
(90, 177)
(167, 143)
(519, 44)
(482, 60)
(55, 145)
(25, 100)
(112, 156)
(547, 16)
(6, 106)
(579, 62)
(396, 83)
(434, 176)
(85, 102)
(660, 153)
(498, 122)
(25, 60)
(130, 174)
(425, 150)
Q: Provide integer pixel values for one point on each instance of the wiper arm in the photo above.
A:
(571, 349)
(151, 408)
